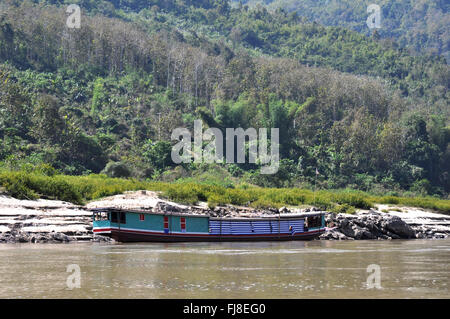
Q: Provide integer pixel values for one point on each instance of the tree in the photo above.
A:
(15, 108)
(117, 170)
(158, 154)
(48, 125)
(419, 151)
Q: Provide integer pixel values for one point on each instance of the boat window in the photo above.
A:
(123, 219)
(315, 221)
(115, 216)
(101, 216)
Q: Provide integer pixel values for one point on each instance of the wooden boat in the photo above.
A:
(148, 226)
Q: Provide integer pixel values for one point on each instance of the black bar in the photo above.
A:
(229, 308)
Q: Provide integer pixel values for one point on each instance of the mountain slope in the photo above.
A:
(98, 98)
(421, 26)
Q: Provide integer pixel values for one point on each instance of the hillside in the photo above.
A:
(420, 26)
(106, 97)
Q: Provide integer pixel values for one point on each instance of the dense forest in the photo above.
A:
(420, 26)
(363, 111)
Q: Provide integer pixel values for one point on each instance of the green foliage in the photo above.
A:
(78, 189)
(391, 200)
(30, 186)
(399, 19)
(158, 154)
(215, 200)
(16, 188)
(422, 187)
(185, 193)
(343, 209)
(98, 97)
(353, 199)
(134, 77)
(116, 170)
(262, 203)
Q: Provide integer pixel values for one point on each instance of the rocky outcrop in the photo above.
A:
(379, 225)
(427, 225)
(44, 221)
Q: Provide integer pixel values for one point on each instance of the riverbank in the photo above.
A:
(44, 221)
(387, 222)
(50, 221)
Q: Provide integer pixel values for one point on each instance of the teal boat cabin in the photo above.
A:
(148, 226)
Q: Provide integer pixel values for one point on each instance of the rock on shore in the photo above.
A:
(408, 224)
(44, 221)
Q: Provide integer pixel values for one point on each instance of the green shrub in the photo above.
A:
(46, 169)
(238, 197)
(390, 200)
(116, 170)
(291, 198)
(56, 187)
(182, 195)
(343, 209)
(355, 200)
(264, 204)
(215, 200)
(18, 190)
(22, 185)
(77, 189)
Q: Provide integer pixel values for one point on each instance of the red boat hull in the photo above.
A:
(124, 235)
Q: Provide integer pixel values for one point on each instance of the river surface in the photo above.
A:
(315, 269)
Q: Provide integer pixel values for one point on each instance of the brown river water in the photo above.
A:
(315, 269)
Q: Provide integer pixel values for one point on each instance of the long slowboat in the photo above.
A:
(148, 226)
